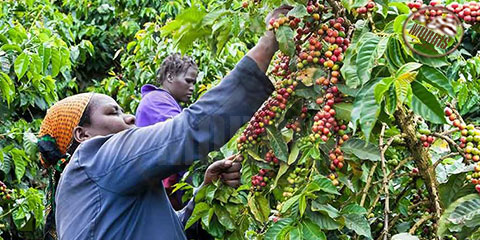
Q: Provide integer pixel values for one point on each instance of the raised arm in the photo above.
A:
(132, 158)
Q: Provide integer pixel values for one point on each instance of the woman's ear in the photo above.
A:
(80, 134)
(169, 77)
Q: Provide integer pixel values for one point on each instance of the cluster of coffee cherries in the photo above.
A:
(312, 22)
(470, 143)
(281, 66)
(264, 176)
(328, 56)
(313, 57)
(426, 139)
(295, 179)
(428, 230)
(325, 81)
(336, 158)
(453, 117)
(291, 21)
(5, 193)
(474, 177)
(325, 125)
(470, 139)
(332, 95)
(420, 210)
(295, 126)
(260, 181)
(271, 158)
(267, 114)
(416, 196)
(468, 11)
(414, 6)
(324, 121)
(369, 7)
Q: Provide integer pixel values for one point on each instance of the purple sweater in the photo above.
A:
(157, 105)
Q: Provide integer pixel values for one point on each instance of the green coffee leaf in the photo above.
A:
(312, 231)
(277, 230)
(366, 109)
(425, 104)
(359, 224)
(436, 78)
(278, 145)
(366, 57)
(200, 210)
(21, 65)
(285, 40)
(361, 149)
(299, 11)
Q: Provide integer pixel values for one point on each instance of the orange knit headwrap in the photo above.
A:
(62, 118)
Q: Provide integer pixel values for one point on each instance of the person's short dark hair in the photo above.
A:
(173, 65)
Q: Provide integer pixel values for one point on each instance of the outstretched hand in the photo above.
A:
(228, 170)
(282, 10)
(270, 36)
(263, 52)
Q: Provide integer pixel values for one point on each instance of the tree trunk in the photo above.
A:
(421, 157)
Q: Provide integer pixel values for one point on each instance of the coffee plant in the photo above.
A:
(371, 140)
(363, 138)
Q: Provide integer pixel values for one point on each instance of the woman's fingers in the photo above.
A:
(233, 183)
(236, 166)
(231, 176)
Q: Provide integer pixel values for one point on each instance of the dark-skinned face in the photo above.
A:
(181, 86)
(106, 117)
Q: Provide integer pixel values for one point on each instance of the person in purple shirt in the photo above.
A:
(177, 77)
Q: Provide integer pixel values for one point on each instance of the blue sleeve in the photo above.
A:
(129, 161)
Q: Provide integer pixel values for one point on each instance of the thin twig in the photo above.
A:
(399, 165)
(374, 203)
(392, 174)
(419, 223)
(448, 132)
(7, 213)
(389, 142)
(370, 19)
(30, 112)
(385, 183)
(443, 158)
(450, 141)
(369, 182)
(334, 6)
(36, 18)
